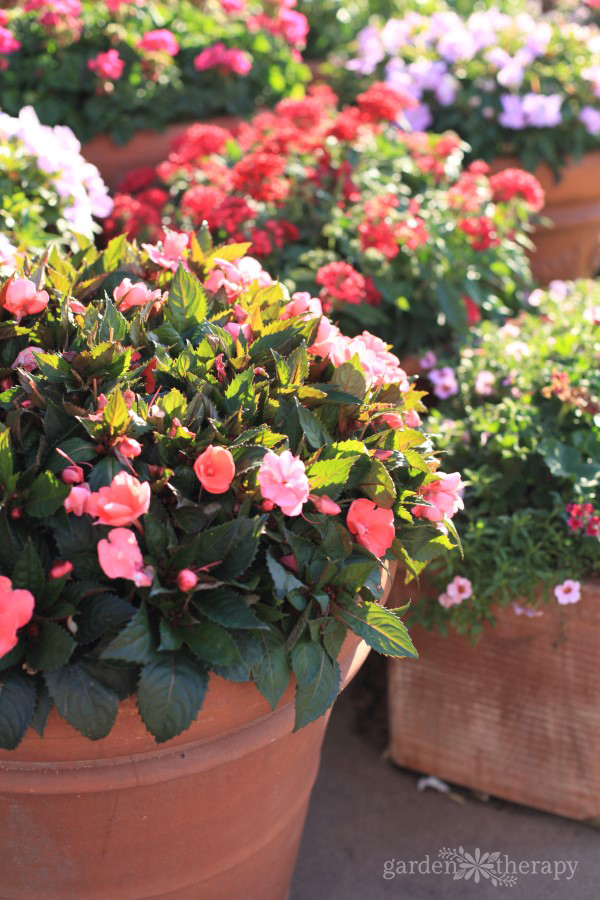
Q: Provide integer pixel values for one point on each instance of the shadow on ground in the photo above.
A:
(365, 812)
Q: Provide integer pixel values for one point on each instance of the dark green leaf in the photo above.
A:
(51, 649)
(82, 700)
(135, 643)
(379, 627)
(273, 673)
(46, 495)
(17, 704)
(317, 678)
(170, 695)
(212, 643)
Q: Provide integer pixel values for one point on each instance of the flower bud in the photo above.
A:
(72, 475)
(60, 569)
(187, 580)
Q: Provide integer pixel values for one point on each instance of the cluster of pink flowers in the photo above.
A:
(444, 382)
(443, 498)
(582, 518)
(224, 59)
(108, 65)
(458, 590)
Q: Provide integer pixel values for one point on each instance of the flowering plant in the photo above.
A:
(389, 228)
(507, 84)
(523, 423)
(121, 65)
(47, 187)
(198, 474)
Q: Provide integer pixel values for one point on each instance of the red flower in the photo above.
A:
(341, 282)
(517, 183)
(382, 102)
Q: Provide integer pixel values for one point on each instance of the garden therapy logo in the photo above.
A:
(477, 866)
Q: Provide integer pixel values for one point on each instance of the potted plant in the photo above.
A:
(204, 487)
(391, 231)
(520, 91)
(48, 189)
(522, 422)
(118, 72)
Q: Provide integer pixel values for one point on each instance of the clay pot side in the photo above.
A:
(146, 148)
(216, 808)
(515, 715)
(571, 248)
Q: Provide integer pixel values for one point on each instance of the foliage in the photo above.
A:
(138, 431)
(147, 85)
(310, 186)
(524, 429)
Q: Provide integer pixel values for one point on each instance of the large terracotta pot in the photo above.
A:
(146, 148)
(571, 248)
(214, 814)
(515, 715)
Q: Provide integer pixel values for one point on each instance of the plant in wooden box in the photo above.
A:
(520, 415)
(204, 485)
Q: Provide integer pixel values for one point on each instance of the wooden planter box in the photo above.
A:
(516, 715)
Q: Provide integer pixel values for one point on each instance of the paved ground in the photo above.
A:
(365, 812)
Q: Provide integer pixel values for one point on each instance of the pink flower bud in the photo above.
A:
(128, 447)
(60, 569)
(187, 580)
(72, 475)
(325, 505)
(267, 506)
(77, 308)
(289, 562)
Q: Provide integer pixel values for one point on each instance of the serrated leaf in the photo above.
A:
(350, 379)
(46, 495)
(170, 695)
(272, 675)
(17, 704)
(227, 607)
(54, 367)
(42, 709)
(314, 431)
(333, 637)
(51, 649)
(187, 300)
(99, 614)
(114, 325)
(28, 572)
(116, 414)
(86, 704)
(329, 476)
(317, 681)
(378, 485)
(135, 643)
(284, 581)
(212, 643)
(379, 627)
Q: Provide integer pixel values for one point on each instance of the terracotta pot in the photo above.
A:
(146, 148)
(571, 248)
(214, 814)
(515, 715)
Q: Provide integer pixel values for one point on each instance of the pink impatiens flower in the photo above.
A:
(444, 497)
(161, 40)
(568, 592)
(233, 277)
(77, 501)
(16, 609)
(226, 59)
(215, 469)
(283, 481)
(235, 330)
(26, 359)
(121, 503)
(458, 590)
(171, 252)
(484, 383)
(325, 504)
(129, 294)
(372, 525)
(107, 65)
(120, 557)
(302, 304)
(22, 298)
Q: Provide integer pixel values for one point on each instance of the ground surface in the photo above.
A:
(365, 812)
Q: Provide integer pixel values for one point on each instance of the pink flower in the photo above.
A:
(120, 557)
(302, 304)
(444, 497)
(428, 360)
(233, 278)
(484, 383)
(77, 308)
(568, 592)
(170, 253)
(60, 569)
(26, 359)
(325, 504)
(187, 580)
(380, 366)
(107, 65)
(72, 475)
(458, 590)
(392, 420)
(233, 5)
(215, 469)
(412, 418)
(372, 526)
(444, 382)
(227, 59)
(283, 481)
(326, 338)
(129, 294)
(128, 447)
(160, 41)
(22, 298)
(235, 329)
(78, 499)
(8, 43)
(16, 610)
(121, 503)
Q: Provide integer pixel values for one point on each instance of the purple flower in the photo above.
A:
(370, 51)
(395, 34)
(592, 74)
(591, 119)
(447, 90)
(542, 111)
(539, 38)
(457, 46)
(426, 74)
(513, 114)
(419, 118)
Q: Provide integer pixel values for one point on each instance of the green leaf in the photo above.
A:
(28, 572)
(6, 460)
(334, 636)
(42, 709)
(54, 367)
(350, 379)
(240, 393)
(114, 326)
(86, 704)
(46, 495)
(329, 476)
(283, 580)
(51, 649)
(314, 431)
(116, 414)
(233, 545)
(272, 675)
(227, 607)
(211, 643)
(353, 573)
(379, 627)
(170, 694)
(17, 704)
(135, 643)
(187, 301)
(318, 681)
(378, 485)
(99, 614)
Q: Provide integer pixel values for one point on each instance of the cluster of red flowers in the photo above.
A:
(517, 183)
(341, 283)
(481, 231)
(583, 519)
(432, 158)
